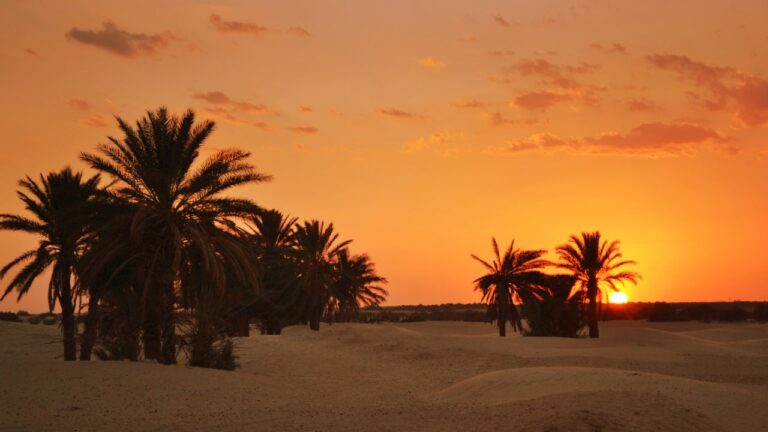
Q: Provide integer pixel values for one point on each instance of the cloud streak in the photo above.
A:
(745, 93)
(115, 40)
(558, 84)
(431, 63)
(79, 104)
(615, 48)
(236, 26)
(306, 130)
(400, 114)
(221, 99)
(647, 140)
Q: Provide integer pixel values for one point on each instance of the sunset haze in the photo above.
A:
(421, 129)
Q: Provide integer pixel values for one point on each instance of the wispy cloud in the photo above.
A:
(499, 121)
(727, 87)
(235, 119)
(501, 53)
(442, 142)
(115, 40)
(31, 52)
(615, 48)
(252, 28)
(560, 84)
(236, 26)
(221, 99)
(540, 100)
(298, 31)
(641, 105)
(95, 121)
(647, 140)
(500, 21)
(431, 63)
(398, 113)
(307, 130)
(468, 104)
(79, 104)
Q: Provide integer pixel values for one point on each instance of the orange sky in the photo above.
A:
(423, 128)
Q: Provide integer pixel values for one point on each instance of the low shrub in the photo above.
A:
(50, 320)
(35, 319)
(661, 311)
(761, 312)
(9, 316)
(111, 348)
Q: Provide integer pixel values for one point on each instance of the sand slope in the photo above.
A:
(402, 377)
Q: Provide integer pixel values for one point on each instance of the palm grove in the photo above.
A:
(165, 260)
(553, 304)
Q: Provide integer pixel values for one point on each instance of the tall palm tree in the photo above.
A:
(509, 275)
(62, 206)
(175, 204)
(316, 247)
(355, 284)
(596, 264)
(272, 237)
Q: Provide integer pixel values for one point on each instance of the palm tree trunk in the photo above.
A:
(68, 315)
(503, 304)
(314, 320)
(594, 330)
(151, 333)
(238, 324)
(168, 327)
(91, 324)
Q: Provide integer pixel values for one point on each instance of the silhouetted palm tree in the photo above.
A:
(355, 284)
(62, 206)
(174, 204)
(272, 237)
(508, 276)
(316, 248)
(595, 263)
(553, 308)
(216, 287)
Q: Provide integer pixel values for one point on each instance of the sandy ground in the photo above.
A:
(406, 377)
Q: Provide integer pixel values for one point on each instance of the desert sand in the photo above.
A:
(433, 376)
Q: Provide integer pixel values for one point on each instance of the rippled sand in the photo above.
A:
(403, 377)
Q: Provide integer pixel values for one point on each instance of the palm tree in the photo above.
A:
(356, 284)
(509, 275)
(596, 264)
(554, 308)
(272, 237)
(62, 206)
(316, 248)
(174, 206)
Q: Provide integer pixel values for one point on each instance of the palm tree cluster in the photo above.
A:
(166, 259)
(559, 304)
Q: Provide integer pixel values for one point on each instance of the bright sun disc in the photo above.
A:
(618, 297)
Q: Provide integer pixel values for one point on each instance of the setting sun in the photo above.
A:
(618, 298)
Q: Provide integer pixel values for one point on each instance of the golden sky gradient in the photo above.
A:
(423, 128)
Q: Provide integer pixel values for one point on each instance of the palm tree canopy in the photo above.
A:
(317, 242)
(589, 257)
(516, 269)
(63, 207)
(175, 203)
(357, 282)
(154, 164)
(273, 230)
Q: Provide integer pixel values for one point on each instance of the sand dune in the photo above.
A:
(402, 377)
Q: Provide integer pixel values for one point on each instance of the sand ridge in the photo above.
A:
(441, 376)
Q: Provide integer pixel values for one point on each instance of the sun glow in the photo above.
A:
(618, 298)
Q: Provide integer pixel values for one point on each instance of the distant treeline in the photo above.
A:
(657, 312)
